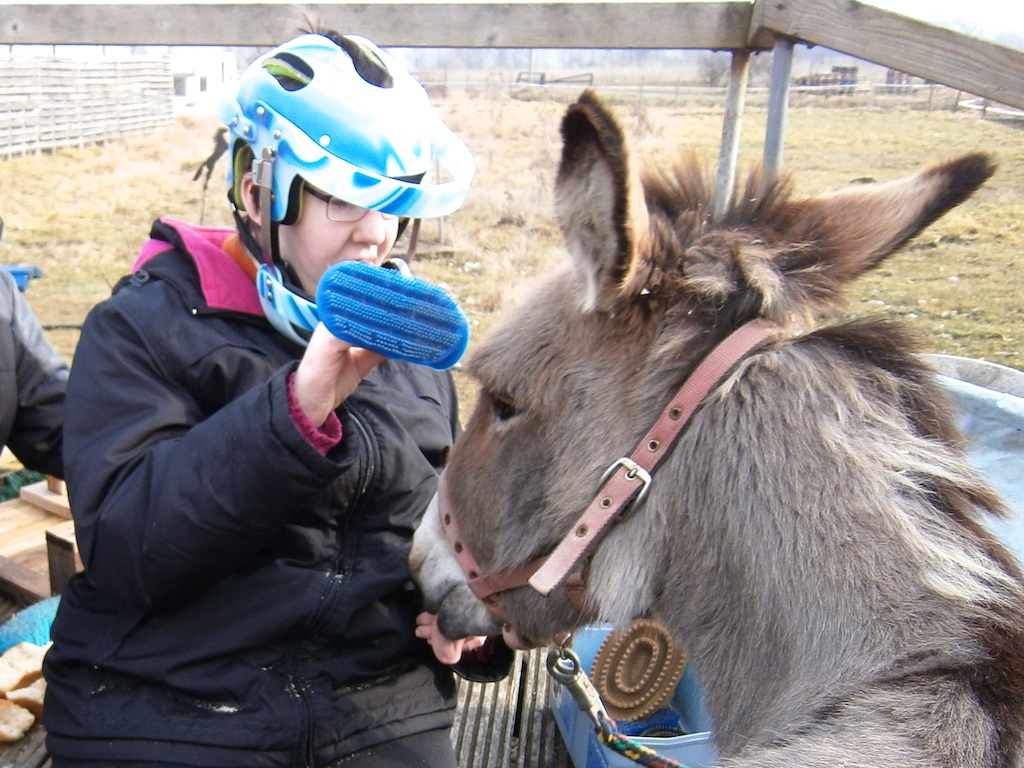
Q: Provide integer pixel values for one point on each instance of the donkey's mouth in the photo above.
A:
(526, 643)
(519, 642)
(461, 614)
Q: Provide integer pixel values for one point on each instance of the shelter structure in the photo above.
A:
(976, 66)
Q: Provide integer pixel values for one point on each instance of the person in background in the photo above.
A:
(33, 377)
(245, 485)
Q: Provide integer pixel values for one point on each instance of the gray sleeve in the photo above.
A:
(33, 377)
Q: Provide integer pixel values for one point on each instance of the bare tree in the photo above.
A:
(713, 68)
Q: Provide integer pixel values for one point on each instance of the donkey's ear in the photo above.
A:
(599, 200)
(854, 229)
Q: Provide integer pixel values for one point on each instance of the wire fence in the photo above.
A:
(861, 94)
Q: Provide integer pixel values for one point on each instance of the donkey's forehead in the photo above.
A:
(538, 340)
(528, 332)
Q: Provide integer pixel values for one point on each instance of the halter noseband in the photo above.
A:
(625, 482)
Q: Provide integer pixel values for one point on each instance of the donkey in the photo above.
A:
(813, 536)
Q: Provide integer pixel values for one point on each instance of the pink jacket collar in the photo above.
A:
(224, 283)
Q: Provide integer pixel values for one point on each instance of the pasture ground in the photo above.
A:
(81, 214)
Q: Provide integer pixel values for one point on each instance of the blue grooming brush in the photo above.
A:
(391, 312)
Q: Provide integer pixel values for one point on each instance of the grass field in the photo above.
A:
(82, 214)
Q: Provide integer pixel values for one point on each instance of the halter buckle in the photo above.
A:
(633, 471)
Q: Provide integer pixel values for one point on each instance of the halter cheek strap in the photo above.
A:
(625, 482)
(485, 587)
(628, 479)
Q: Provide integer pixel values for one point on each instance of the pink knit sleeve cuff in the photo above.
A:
(324, 437)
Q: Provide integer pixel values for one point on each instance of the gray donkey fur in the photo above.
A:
(815, 539)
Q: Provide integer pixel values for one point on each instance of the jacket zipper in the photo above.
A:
(341, 570)
(343, 561)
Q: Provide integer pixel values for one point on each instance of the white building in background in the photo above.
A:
(200, 77)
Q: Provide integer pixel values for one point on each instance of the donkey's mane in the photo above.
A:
(888, 346)
(734, 269)
(680, 200)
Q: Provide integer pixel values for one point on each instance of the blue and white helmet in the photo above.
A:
(351, 121)
(347, 118)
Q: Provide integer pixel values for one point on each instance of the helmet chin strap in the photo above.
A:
(263, 177)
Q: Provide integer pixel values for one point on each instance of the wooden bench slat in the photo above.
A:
(539, 742)
(484, 727)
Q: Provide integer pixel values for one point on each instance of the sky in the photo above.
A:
(991, 17)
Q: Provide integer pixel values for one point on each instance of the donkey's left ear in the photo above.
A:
(599, 200)
(855, 229)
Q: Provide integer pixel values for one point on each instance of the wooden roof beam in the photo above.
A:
(937, 54)
(645, 25)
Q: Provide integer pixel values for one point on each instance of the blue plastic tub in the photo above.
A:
(686, 708)
(22, 273)
(993, 423)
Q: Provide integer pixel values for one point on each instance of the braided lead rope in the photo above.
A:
(625, 746)
(565, 667)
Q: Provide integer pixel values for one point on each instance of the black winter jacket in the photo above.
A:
(246, 600)
(33, 377)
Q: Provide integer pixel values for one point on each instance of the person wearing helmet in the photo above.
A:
(245, 484)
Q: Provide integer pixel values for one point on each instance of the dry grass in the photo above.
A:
(81, 215)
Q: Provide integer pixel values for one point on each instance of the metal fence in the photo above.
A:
(52, 103)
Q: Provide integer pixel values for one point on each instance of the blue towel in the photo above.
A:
(29, 625)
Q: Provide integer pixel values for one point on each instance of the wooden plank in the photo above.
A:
(484, 720)
(507, 724)
(48, 495)
(538, 741)
(16, 514)
(62, 556)
(651, 25)
(23, 526)
(24, 562)
(934, 53)
(22, 584)
(26, 537)
(942, 56)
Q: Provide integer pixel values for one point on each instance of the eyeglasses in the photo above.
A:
(342, 210)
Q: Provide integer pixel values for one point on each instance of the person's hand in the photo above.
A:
(329, 372)
(447, 651)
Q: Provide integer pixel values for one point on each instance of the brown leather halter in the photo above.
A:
(625, 482)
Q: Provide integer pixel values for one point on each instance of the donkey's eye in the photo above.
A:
(502, 407)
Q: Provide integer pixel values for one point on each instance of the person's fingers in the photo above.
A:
(366, 360)
(446, 651)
